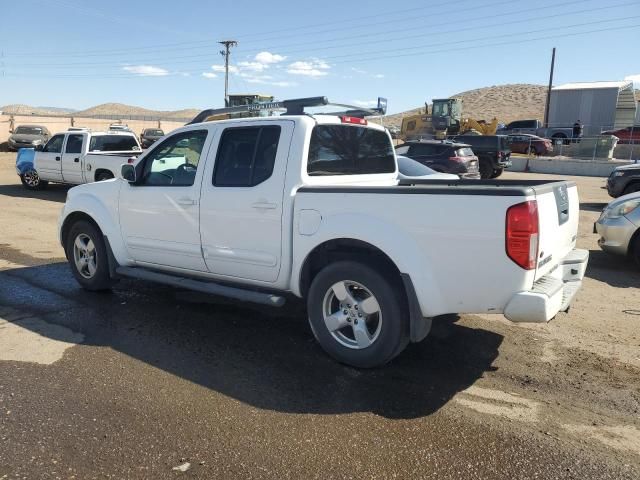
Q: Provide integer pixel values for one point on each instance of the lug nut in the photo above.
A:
(345, 312)
(355, 321)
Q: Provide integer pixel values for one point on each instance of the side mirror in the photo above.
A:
(128, 172)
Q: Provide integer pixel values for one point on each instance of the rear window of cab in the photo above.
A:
(349, 150)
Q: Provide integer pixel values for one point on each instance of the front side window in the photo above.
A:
(74, 144)
(349, 150)
(113, 143)
(54, 145)
(246, 156)
(175, 161)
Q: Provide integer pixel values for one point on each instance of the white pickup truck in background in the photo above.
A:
(76, 157)
(311, 205)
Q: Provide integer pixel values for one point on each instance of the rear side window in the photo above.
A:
(464, 152)
(422, 150)
(246, 156)
(113, 143)
(74, 144)
(349, 150)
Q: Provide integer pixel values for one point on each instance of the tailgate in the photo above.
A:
(558, 213)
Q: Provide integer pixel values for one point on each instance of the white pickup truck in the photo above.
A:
(311, 205)
(75, 157)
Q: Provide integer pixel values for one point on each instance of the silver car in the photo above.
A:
(619, 227)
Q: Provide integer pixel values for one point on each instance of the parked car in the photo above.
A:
(529, 144)
(28, 136)
(409, 169)
(626, 135)
(120, 127)
(559, 134)
(619, 227)
(624, 180)
(442, 156)
(76, 157)
(521, 126)
(494, 154)
(259, 208)
(149, 136)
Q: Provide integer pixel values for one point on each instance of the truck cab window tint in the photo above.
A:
(349, 150)
(113, 143)
(74, 144)
(175, 161)
(54, 145)
(246, 156)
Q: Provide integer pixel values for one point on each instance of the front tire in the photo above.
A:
(486, 170)
(31, 180)
(497, 172)
(87, 256)
(635, 250)
(357, 314)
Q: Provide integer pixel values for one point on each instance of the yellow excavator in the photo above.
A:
(445, 119)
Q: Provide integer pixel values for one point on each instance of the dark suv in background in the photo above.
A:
(624, 180)
(493, 152)
(442, 156)
(149, 136)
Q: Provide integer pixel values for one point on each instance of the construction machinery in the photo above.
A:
(445, 119)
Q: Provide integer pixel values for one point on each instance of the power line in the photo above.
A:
(205, 43)
(188, 59)
(396, 54)
(447, 43)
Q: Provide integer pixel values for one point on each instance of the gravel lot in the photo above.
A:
(148, 379)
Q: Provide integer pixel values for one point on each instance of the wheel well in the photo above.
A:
(344, 249)
(634, 238)
(70, 220)
(102, 170)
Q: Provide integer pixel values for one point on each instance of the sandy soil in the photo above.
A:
(572, 385)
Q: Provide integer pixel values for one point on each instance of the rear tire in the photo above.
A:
(358, 314)
(31, 180)
(497, 172)
(486, 170)
(87, 256)
(634, 187)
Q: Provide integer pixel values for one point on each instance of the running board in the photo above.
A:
(204, 287)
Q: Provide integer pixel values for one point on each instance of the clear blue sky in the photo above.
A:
(163, 54)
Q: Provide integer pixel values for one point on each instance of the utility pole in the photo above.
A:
(546, 109)
(225, 53)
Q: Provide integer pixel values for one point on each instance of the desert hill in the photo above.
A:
(505, 102)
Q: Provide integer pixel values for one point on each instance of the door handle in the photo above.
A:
(57, 159)
(264, 206)
(76, 160)
(186, 201)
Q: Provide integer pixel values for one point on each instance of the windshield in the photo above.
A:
(29, 130)
(349, 150)
(154, 133)
(411, 168)
(440, 109)
(113, 143)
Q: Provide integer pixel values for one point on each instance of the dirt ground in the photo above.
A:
(112, 385)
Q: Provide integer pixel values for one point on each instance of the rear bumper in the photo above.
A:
(550, 294)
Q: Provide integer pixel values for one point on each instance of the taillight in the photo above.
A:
(354, 120)
(458, 159)
(522, 234)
